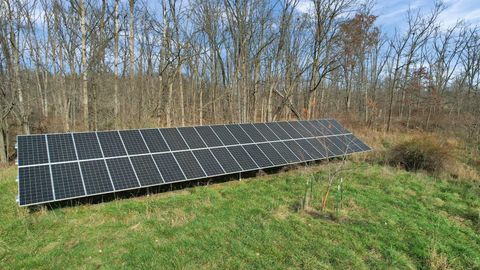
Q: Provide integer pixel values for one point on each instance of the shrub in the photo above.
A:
(420, 153)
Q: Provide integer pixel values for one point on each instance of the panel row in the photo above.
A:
(54, 148)
(60, 181)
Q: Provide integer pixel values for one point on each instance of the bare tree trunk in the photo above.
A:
(84, 66)
(131, 48)
(115, 68)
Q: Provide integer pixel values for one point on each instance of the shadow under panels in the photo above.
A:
(63, 166)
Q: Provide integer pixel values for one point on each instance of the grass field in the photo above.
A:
(388, 219)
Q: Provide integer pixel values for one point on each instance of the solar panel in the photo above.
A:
(292, 132)
(224, 135)
(174, 139)
(189, 164)
(239, 134)
(253, 132)
(192, 138)
(243, 158)
(61, 147)
(258, 156)
(133, 141)
(111, 144)
(146, 170)
(96, 176)
(32, 150)
(154, 140)
(208, 136)
(87, 145)
(208, 162)
(67, 180)
(57, 167)
(168, 167)
(272, 154)
(122, 173)
(225, 158)
(285, 152)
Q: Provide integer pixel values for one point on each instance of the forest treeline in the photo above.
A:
(96, 65)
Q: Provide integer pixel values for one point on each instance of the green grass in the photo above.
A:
(389, 219)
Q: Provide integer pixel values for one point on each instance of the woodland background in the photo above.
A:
(95, 65)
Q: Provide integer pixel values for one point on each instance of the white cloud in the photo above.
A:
(305, 6)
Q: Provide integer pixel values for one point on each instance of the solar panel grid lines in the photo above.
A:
(205, 159)
(192, 155)
(149, 151)
(104, 161)
(50, 168)
(61, 147)
(133, 142)
(109, 161)
(154, 140)
(254, 132)
(128, 157)
(242, 146)
(191, 137)
(76, 154)
(36, 148)
(173, 138)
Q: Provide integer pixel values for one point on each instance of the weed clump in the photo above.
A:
(420, 153)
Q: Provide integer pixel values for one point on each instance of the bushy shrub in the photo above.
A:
(421, 153)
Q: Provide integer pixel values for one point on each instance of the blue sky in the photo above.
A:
(392, 13)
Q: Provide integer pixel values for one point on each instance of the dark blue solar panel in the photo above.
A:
(239, 134)
(146, 170)
(174, 139)
(272, 154)
(168, 167)
(208, 136)
(301, 129)
(278, 130)
(285, 152)
(312, 128)
(333, 145)
(260, 158)
(35, 185)
(225, 159)
(325, 146)
(264, 145)
(189, 165)
(266, 132)
(123, 175)
(319, 145)
(290, 130)
(243, 158)
(298, 151)
(224, 134)
(87, 145)
(111, 144)
(208, 162)
(351, 146)
(133, 141)
(192, 138)
(361, 146)
(154, 140)
(337, 126)
(253, 133)
(310, 149)
(32, 150)
(325, 127)
(96, 177)
(61, 148)
(67, 180)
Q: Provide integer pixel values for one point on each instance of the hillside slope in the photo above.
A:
(388, 219)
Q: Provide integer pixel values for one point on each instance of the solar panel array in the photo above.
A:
(55, 167)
